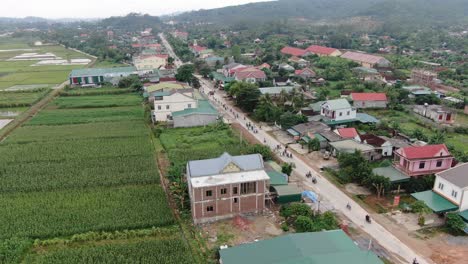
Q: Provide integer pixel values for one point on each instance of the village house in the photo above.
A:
(97, 76)
(286, 67)
(369, 100)
(167, 102)
(250, 75)
(300, 62)
(276, 90)
(348, 133)
(449, 194)
(437, 113)
(323, 51)
(292, 51)
(226, 186)
(150, 62)
(422, 160)
(382, 145)
(202, 115)
(369, 74)
(452, 184)
(350, 146)
(305, 73)
(231, 68)
(308, 131)
(282, 81)
(366, 60)
(212, 61)
(182, 35)
(417, 90)
(337, 111)
(423, 77)
(197, 50)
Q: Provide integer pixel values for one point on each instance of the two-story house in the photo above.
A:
(168, 102)
(452, 184)
(422, 160)
(337, 111)
(226, 186)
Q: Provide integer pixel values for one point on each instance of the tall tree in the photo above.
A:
(185, 73)
(246, 95)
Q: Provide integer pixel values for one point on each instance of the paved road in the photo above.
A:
(177, 61)
(326, 190)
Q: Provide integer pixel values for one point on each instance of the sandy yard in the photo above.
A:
(243, 229)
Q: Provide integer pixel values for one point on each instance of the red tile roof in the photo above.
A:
(250, 73)
(306, 70)
(198, 48)
(423, 152)
(293, 51)
(369, 96)
(321, 50)
(350, 132)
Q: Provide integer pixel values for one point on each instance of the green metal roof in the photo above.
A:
(317, 107)
(464, 215)
(437, 203)
(337, 122)
(293, 132)
(288, 193)
(204, 107)
(300, 248)
(394, 175)
(366, 118)
(101, 71)
(277, 178)
(220, 77)
(337, 104)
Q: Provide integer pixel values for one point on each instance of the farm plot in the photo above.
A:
(62, 213)
(167, 250)
(97, 101)
(21, 99)
(61, 163)
(124, 129)
(91, 115)
(184, 144)
(94, 91)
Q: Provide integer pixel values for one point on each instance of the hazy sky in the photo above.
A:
(105, 8)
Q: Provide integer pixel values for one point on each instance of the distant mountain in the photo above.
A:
(131, 22)
(412, 11)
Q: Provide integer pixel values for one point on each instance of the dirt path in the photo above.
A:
(31, 112)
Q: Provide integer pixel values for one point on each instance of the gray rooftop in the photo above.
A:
(457, 175)
(276, 90)
(200, 168)
(338, 104)
(312, 127)
(349, 146)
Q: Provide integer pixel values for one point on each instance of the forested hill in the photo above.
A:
(413, 11)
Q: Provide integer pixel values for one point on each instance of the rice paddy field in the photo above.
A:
(21, 83)
(85, 165)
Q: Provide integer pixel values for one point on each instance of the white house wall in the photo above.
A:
(447, 190)
(176, 102)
